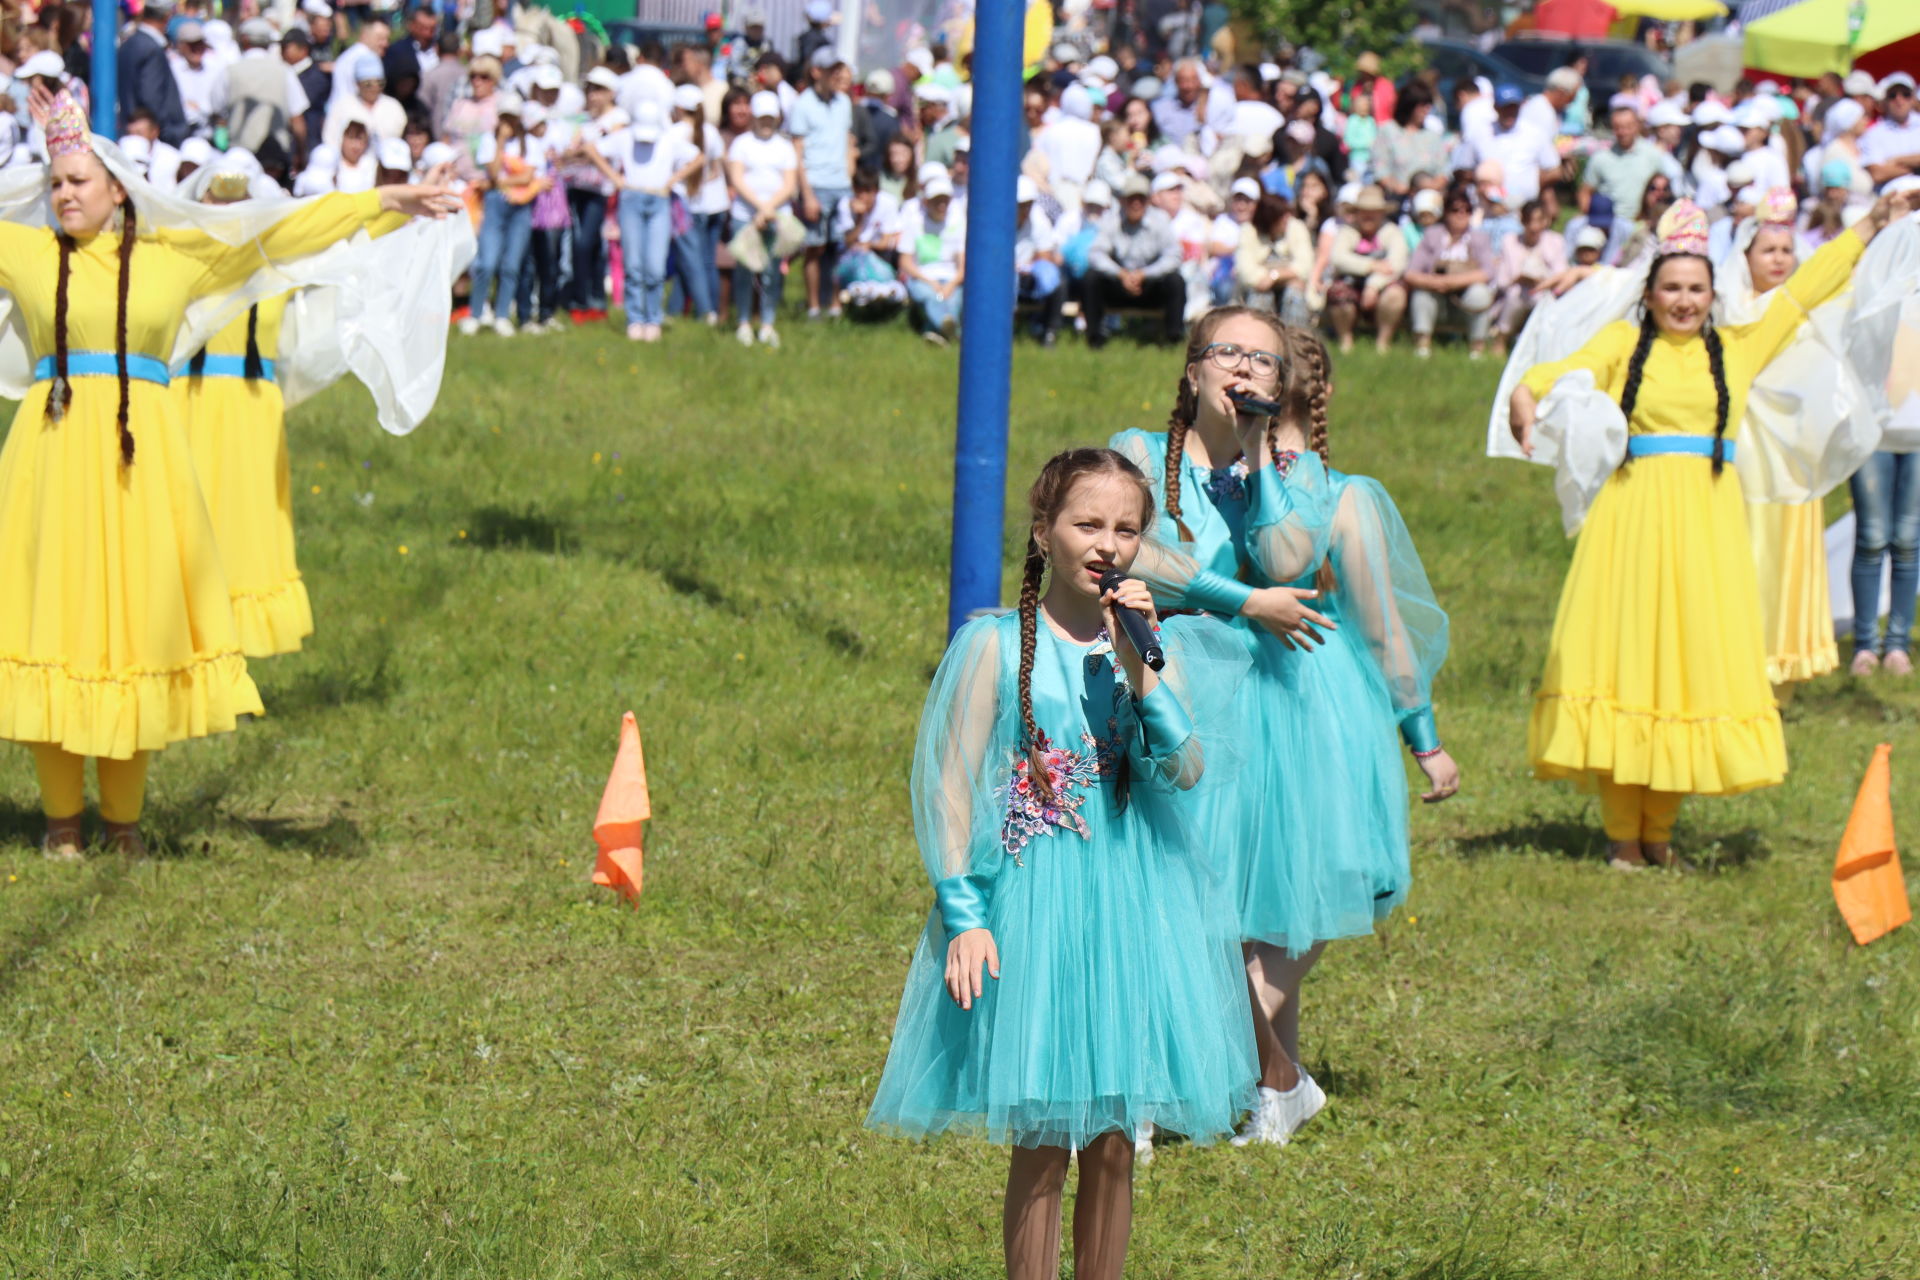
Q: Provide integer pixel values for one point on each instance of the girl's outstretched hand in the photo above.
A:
(1282, 610)
(966, 954)
(1442, 774)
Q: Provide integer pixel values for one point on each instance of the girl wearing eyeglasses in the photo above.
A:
(1255, 525)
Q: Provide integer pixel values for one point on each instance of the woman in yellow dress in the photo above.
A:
(229, 397)
(1656, 680)
(116, 631)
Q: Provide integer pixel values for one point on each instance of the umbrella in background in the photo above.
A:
(1671, 10)
(1810, 38)
(1582, 19)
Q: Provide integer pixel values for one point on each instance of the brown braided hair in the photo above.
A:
(60, 393)
(1716, 362)
(1044, 501)
(1307, 404)
(1186, 404)
(129, 230)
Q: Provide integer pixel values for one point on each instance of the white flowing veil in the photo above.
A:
(373, 318)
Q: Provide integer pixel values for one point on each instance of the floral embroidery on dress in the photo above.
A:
(1284, 460)
(1071, 773)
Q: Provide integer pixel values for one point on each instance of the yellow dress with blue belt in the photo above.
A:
(116, 630)
(1657, 671)
(236, 430)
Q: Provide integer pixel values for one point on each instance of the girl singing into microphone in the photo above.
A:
(1073, 983)
(1254, 522)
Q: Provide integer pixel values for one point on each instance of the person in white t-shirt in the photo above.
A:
(1194, 231)
(1036, 260)
(933, 261)
(646, 82)
(1071, 146)
(646, 159)
(763, 169)
(1891, 148)
(866, 230)
(696, 249)
(588, 192)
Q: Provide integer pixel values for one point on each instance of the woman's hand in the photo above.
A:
(1130, 594)
(419, 200)
(965, 956)
(1885, 210)
(40, 104)
(1521, 411)
(1442, 773)
(1281, 611)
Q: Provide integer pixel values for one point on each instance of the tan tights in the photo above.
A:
(1274, 978)
(1102, 1210)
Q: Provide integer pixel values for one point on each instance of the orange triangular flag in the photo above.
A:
(624, 807)
(1867, 884)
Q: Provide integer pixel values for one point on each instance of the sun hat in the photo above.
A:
(1135, 185)
(1371, 200)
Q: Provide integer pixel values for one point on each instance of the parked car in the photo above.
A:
(1458, 60)
(1607, 60)
(669, 34)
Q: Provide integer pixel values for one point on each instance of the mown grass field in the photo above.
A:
(362, 1015)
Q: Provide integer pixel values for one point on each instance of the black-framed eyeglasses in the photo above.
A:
(1226, 357)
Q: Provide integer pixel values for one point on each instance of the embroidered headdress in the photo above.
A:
(67, 132)
(1776, 207)
(1683, 229)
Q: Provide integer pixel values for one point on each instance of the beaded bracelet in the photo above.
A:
(1428, 755)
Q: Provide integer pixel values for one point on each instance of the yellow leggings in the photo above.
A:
(1631, 812)
(63, 784)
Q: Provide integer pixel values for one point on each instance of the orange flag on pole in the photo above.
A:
(1867, 884)
(624, 809)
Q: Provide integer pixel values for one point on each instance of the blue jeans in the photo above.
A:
(505, 230)
(772, 281)
(697, 265)
(929, 309)
(586, 290)
(1886, 514)
(646, 231)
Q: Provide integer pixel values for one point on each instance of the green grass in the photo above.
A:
(362, 1014)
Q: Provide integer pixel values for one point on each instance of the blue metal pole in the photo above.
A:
(986, 342)
(103, 83)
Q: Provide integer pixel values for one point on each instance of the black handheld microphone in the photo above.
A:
(1145, 643)
(1247, 402)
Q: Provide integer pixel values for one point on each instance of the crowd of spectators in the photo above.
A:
(699, 181)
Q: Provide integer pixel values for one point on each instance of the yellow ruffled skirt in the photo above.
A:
(1657, 671)
(116, 632)
(238, 434)
(1796, 613)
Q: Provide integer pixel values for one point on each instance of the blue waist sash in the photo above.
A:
(1698, 446)
(214, 366)
(103, 364)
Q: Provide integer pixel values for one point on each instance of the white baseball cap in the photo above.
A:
(1096, 193)
(1711, 113)
(547, 76)
(488, 43)
(880, 83)
(533, 115)
(1429, 201)
(936, 189)
(196, 151)
(766, 105)
(647, 119)
(392, 153)
(1886, 86)
(1666, 113)
(1725, 139)
(1739, 174)
(508, 104)
(1590, 238)
(929, 171)
(603, 78)
(1245, 187)
(436, 153)
(687, 97)
(1861, 83)
(44, 63)
(1168, 182)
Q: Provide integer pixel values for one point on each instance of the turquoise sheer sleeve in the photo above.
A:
(1167, 565)
(1383, 588)
(959, 761)
(1290, 519)
(1192, 722)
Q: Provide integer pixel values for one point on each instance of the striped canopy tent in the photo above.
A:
(1808, 38)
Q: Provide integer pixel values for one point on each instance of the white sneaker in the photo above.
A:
(469, 325)
(1298, 1105)
(934, 338)
(744, 334)
(1143, 1145)
(768, 338)
(636, 332)
(1261, 1123)
(503, 327)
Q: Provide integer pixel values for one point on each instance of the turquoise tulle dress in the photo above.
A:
(1318, 831)
(1121, 999)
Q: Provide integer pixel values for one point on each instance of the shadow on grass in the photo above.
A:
(372, 683)
(1576, 840)
(1344, 1082)
(496, 528)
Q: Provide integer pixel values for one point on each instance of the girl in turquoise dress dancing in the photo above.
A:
(1252, 510)
(1074, 982)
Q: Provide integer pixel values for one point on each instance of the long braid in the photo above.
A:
(1036, 741)
(1716, 361)
(60, 394)
(198, 365)
(255, 370)
(1178, 424)
(127, 233)
(1637, 365)
(1307, 404)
